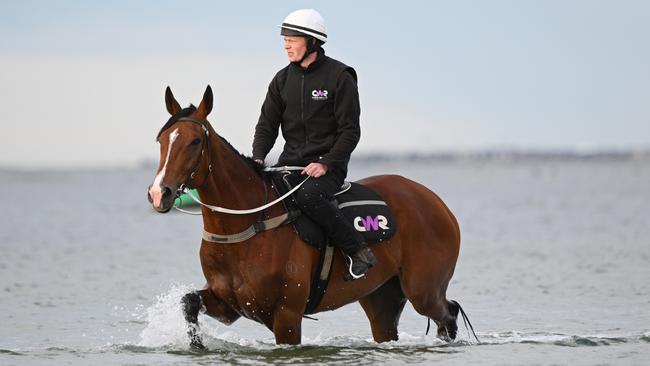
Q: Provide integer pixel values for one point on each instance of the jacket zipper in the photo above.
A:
(302, 98)
(302, 109)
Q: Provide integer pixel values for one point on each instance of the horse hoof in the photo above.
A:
(445, 339)
(196, 344)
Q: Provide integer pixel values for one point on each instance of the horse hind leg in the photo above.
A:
(383, 308)
(447, 325)
(443, 312)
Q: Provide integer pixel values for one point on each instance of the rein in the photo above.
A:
(241, 212)
(259, 225)
(184, 189)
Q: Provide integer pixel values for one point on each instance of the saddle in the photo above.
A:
(362, 206)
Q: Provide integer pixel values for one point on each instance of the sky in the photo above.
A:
(82, 82)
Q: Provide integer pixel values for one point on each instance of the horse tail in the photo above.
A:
(468, 324)
(465, 320)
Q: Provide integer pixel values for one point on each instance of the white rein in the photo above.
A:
(248, 211)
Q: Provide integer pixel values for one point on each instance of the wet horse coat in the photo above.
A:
(267, 277)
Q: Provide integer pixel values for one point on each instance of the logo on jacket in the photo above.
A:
(319, 94)
(370, 223)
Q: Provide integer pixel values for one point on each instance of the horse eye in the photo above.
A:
(195, 142)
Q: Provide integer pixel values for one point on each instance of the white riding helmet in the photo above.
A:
(304, 22)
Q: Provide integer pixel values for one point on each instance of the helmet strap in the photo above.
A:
(311, 47)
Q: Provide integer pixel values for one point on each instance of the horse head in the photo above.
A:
(184, 142)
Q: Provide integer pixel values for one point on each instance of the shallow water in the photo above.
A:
(554, 269)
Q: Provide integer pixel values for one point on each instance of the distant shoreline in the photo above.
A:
(407, 157)
(508, 155)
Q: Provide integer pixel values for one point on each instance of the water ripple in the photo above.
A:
(10, 352)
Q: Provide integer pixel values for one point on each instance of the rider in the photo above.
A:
(316, 103)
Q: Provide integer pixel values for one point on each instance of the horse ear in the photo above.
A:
(206, 104)
(172, 105)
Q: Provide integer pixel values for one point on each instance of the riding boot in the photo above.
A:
(361, 262)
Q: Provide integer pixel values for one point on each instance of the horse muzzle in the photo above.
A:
(162, 198)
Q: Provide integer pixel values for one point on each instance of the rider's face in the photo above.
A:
(295, 46)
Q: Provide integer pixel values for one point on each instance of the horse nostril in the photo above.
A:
(166, 192)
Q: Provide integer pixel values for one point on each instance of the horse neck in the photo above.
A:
(231, 184)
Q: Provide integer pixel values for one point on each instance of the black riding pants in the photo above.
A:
(315, 200)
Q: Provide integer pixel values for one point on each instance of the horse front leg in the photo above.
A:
(287, 326)
(193, 302)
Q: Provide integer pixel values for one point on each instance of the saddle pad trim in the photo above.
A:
(362, 203)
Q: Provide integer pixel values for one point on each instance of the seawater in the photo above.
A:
(554, 269)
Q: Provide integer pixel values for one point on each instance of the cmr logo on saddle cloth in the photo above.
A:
(319, 94)
(371, 223)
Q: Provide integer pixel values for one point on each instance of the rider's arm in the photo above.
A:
(346, 112)
(266, 131)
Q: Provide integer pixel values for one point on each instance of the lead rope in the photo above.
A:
(187, 191)
(177, 208)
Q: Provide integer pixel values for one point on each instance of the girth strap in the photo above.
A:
(320, 281)
(257, 227)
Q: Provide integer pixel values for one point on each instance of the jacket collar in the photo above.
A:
(320, 57)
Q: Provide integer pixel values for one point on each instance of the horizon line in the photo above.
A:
(487, 154)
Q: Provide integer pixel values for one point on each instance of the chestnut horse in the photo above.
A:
(267, 277)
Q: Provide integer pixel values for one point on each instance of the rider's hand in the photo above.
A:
(315, 170)
(259, 161)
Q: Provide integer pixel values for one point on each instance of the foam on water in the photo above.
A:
(164, 340)
(166, 329)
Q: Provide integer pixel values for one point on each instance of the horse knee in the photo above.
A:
(191, 304)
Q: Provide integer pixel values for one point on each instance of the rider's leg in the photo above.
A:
(314, 199)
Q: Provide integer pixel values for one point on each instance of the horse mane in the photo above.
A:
(183, 113)
(257, 168)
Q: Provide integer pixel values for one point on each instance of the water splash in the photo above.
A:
(166, 328)
(165, 324)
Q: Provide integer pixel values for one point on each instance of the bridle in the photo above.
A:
(260, 224)
(205, 146)
(183, 188)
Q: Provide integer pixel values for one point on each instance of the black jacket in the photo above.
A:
(318, 110)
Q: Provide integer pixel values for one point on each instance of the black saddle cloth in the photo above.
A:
(362, 206)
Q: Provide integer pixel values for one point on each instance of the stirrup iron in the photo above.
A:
(354, 277)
